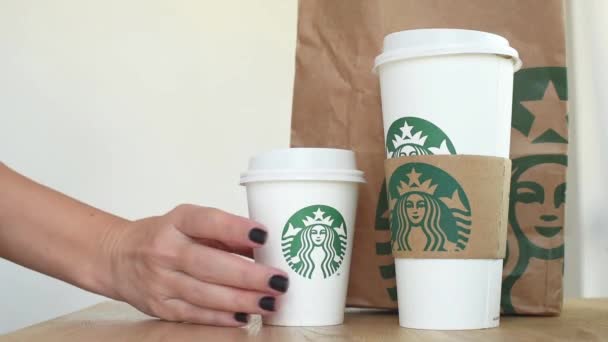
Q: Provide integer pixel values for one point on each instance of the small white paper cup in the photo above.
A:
(447, 91)
(307, 199)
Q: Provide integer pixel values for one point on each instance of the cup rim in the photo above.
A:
(285, 175)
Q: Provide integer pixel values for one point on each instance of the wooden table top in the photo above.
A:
(581, 320)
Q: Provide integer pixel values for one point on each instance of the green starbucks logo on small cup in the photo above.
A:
(412, 136)
(430, 204)
(314, 241)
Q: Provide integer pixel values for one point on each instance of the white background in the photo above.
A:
(135, 106)
(586, 214)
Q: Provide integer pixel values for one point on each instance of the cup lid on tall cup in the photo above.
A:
(440, 41)
(301, 164)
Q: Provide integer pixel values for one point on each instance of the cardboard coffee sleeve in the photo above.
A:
(337, 104)
(465, 206)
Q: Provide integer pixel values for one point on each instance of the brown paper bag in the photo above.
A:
(337, 104)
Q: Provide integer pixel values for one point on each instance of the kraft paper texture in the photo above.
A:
(337, 104)
(448, 206)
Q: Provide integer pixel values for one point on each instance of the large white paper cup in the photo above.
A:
(449, 294)
(447, 91)
(460, 81)
(307, 199)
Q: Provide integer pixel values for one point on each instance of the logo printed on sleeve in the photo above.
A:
(406, 136)
(314, 241)
(412, 136)
(431, 211)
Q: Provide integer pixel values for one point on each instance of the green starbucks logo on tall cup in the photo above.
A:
(431, 211)
(411, 136)
(314, 241)
(406, 136)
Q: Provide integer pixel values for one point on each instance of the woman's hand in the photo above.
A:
(181, 267)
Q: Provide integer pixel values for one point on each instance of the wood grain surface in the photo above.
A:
(581, 320)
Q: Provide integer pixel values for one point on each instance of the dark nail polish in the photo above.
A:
(241, 317)
(258, 235)
(279, 283)
(267, 303)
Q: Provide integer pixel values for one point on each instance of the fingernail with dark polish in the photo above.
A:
(241, 317)
(258, 235)
(267, 303)
(279, 283)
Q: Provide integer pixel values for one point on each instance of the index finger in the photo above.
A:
(214, 224)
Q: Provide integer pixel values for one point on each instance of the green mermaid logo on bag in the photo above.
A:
(412, 136)
(431, 211)
(314, 241)
(538, 185)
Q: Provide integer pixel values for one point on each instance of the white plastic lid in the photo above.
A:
(435, 42)
(324, 164)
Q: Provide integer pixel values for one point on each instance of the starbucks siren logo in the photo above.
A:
(406, 136)
(314, 241)
(430, 204)
(411, 136)
(538, 180)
